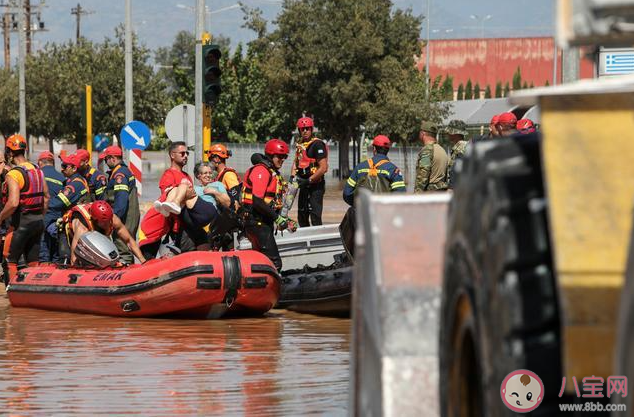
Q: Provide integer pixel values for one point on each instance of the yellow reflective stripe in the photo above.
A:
(246, 195)
(121, 187)
(84, 191)
(352, 182)
(54, 181)
(100, 190)
(382, 171)
(64, 199)
(131, 178)
(397, 184)
(364, 170)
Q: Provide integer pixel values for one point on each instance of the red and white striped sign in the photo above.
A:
(136, 166)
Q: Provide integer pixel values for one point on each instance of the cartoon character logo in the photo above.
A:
(522, 391)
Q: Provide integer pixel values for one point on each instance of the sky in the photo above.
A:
(157, 21)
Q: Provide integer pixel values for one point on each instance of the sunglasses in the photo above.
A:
(64, 166)
(280, 156)
(183, 153)
(301, 129)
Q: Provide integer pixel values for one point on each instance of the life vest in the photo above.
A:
(234, 192)
(82, 210)
(274, 188)
(372, 180)
(32, 193)
(221, 175)
(306, 164)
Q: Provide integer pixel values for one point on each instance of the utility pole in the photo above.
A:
(570, 65)
(6, 17)
(22, 23)
(200, 29)
(27, 12)
(129, 103)
(428, 17)
(79, 12)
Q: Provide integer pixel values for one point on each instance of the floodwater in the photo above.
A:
(55, 363)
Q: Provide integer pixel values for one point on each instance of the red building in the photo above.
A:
(487, 61)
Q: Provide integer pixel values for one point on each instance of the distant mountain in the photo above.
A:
(157, 21)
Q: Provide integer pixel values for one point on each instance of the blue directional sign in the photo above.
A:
(135, 135)
(100, 142)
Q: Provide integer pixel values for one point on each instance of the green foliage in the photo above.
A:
(507, 89)
(498, 89)
(476, 91)
(447, 88)
(461, 92)
(525, 85)
(487, 92)
(547, 83)
(517, 79)
(532, 85)
(9, 118)
(57, 75)
(468, 90)
(344, 62)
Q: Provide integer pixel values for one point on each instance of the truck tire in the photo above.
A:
(499, 308)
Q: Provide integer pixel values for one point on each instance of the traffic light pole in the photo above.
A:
(206, 38)
(200, 28)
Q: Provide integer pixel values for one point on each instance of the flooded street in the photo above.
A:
(61, 363)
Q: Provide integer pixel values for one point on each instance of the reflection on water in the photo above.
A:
(284, 364)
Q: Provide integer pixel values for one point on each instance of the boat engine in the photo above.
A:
(96, 249)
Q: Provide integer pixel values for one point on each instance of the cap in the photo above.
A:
(111, 151)
(508, 118)
(523, 124)
(495, 119)
(457, 127)
(46, 155)
(70, 160)
(84, 155)
(430, 127)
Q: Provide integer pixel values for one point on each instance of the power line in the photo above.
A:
(79, 12)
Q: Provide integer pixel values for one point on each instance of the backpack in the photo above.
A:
(373, 181)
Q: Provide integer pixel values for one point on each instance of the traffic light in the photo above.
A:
(211, 74)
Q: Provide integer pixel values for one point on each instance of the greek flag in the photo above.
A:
(616, 64)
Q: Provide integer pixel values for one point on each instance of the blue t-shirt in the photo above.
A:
(200, 190)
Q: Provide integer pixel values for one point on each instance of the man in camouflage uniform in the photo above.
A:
(431, 168)
(457, 132)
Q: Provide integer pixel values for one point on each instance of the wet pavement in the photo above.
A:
(55, 363)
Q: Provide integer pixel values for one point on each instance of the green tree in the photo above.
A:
(9, 118)
(507, 89)
(498, 89)
(525, 85)
(56, 77)
(487, 92)
(447, 88)
(546, 84)
(468, 90)
(517, 79)
(460, 92)
(329, 59)
(476, 91)
(532, 85)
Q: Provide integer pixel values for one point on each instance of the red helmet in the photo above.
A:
(276, 147)
(381, 141)
(101, 212)
(219, 150)
(524, 124)
(305, 122)
(16, 142)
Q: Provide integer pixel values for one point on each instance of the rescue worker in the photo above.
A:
(25, 199)
(54, 179)
(309, 167)
(507, 124)
(493, 130)
(97, 216)
(381, 166)
(121, 194)
(97, 180)
(75, 191)
(457, 132)
(154, 225)
(431, 166)
(262, 196)
(222, 229)
(218, 154)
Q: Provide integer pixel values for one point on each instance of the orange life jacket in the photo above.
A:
(32, 193)
(222, 174)
(304, 162)
(274, 189)
(67, 219)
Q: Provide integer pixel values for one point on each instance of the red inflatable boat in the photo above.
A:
(193, 285)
